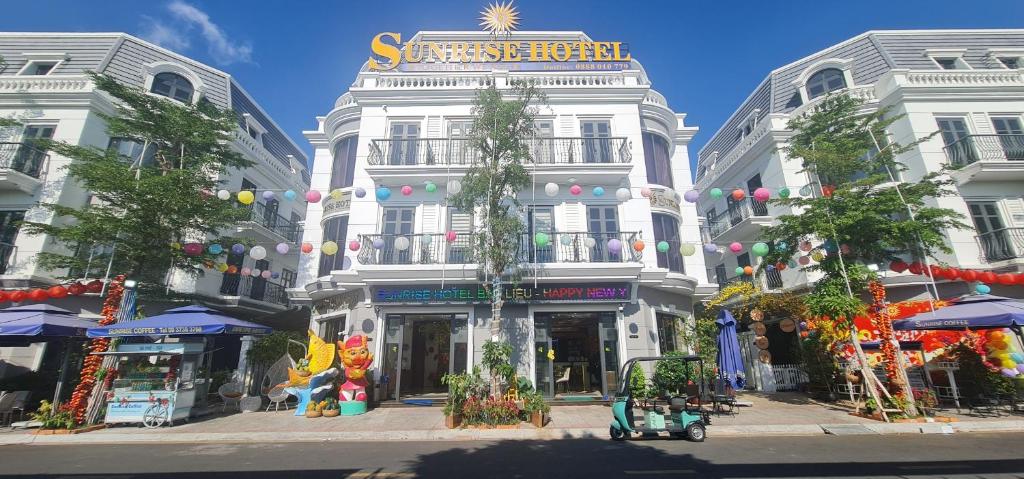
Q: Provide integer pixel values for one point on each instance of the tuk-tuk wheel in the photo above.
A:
(695, 431)
(616, 433)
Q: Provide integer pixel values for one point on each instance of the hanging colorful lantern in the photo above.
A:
(748, 270)
(623, 194)
(290, 195)
(18, 296)
(760, 249)
(232, 269)
(38, 295)
(215, 249)
(265, 274)
(817, 255)
(237, 248)
(282, 248)
(425, 240)
(268, 195)
(1006, 279)
(551, 189)
(430, 187)
(614, 246)
(383, 193)
(715, 193)
(454, 187)
(597, 191)
(687, 249)
(222, 267)
(987, 277)
(784, 192)
(898, 266)
(575, 190)
(192, 249)
(336, 194)
(565, 240)
(245, 271)
(94, 286)
(735, 247)
(662, 246)
(983, 289)
(313, 196)
(638, 245)
(806, 246)
(402, 243)
(738, 194)
(75, 289)
(329, 248)
(969, 275)
(762, 194)
(255, 272)
(804, 260)
(828, 190)
(451, 236)
(360, 192)
(406, 190)
(224, 194)
(246, 197)
(710, 248)
(541, 239)
(306, 248)
(57, 292)
(258, 252)
(646, 192)
(738, 270)
(780, 266)
(378, 243)
(353, 245)
(691, 196)
(589, 242)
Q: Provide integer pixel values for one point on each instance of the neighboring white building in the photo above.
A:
(43, 86)
(965, 84)
(419, 297)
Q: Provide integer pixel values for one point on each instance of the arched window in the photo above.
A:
(335, 229)
(659, 170)
(666, 228)
(344, 167)
(827, 80)
(173, 85)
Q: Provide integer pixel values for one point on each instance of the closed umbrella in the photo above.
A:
(729, 360)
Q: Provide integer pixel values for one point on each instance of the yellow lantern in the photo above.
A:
(817, 255)
(222, 267)
(329, 248)
(246, 197)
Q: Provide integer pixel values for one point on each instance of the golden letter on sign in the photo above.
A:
(617, 53)
(601, 51)
(391, 52)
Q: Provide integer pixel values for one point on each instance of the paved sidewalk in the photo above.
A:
(778, 414)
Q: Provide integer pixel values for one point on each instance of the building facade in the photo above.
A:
(578, 308)
(43, 86)
(964, 84)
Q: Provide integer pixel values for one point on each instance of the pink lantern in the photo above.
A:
(806, 246)
(645, 192)
(575, 190)
(451, 236)
(246, 271)
(804, 260)
(193, 249)
(845, 248)
(312, 196)
(406, 190)
(266, 274)
(762, 194)
(735, 247)
(353, 245)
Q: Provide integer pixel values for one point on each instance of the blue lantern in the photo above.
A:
(383, 193)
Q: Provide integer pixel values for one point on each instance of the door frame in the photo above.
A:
(532, 311)
(382, 316)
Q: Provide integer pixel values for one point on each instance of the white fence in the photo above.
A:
(788, 377)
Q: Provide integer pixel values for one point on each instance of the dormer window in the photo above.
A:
(41, 63)
(948, 59)
(174, 86)
(253, 128)
(39, 68)
(825, 81)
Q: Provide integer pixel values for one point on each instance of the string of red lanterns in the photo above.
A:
(952, 274)
(39, 295)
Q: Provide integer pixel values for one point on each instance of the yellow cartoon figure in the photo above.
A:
(356, 358)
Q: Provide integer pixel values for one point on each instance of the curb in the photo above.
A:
(13, 439)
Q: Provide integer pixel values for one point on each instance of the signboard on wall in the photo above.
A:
(665, 199)
(575, 293)
(337, 203)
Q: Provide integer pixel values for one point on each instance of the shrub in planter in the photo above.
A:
(499, 412)
(461, 387)
(535, 408)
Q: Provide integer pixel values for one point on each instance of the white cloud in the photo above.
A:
(221, 47)
(164, 35)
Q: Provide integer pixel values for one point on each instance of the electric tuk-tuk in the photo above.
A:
(686, 416)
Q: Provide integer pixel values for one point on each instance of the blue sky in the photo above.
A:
(296, 57)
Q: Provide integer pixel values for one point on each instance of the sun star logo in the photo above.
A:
(499, 18)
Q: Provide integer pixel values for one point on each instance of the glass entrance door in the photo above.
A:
(576, 354)
(420, 349)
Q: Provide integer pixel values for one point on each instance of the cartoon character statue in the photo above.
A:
(356, 359)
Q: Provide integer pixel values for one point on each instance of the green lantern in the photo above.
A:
(662, 246)
(541, 239)
(760, 249)
(715, 193)
(431, 187)
(739, 270)
(783, 192)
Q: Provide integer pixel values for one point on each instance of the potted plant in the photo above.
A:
(330, 407)
(535, 408)
(461, 388)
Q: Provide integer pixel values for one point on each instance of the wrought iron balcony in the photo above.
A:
(257, 289)
(727, 280)
(23, 157)
(578, 248)
(1002, 244)
(6, 251)
(734, 215)
(271, 220)
(462, 151)
(416, 249)
(772, 278)
(974, 148)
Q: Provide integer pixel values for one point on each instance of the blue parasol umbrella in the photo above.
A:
(976, 311)
(729, 360)
(188, 320)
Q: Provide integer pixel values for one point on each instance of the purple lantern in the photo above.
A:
(238, 248)
(282, 248)
(691, 196)
(275, 275)
(268, 195)
(265, 274)
(378, 243)
(614, 246)
(710, 248)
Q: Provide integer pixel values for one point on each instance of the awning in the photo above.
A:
(185, 321)
(980, 311)
(42, 322)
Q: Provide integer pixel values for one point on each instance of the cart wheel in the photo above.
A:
(616, 433)
(155, 416)
(695, 431)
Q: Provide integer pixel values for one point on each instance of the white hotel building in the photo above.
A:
(417, 296)
(965, 84)
(43, 86)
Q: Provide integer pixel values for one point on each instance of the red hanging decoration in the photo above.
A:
(57, 292)
(880, 316)
(76, 289)
(1007, 279)
(898, 266)
(91, 364)
(969, 275)
(987, 277)
(18, 296)
(94, 286)
(38, 295)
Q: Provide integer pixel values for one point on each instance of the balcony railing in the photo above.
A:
(23, 157)
(6, 251)
(724, 281)
(435, 249)
(773, 278)
(1002, 244)
(577, 248)
(257, 289)
(974, 148)
(735, 214)
(268, 218)
(462, 152)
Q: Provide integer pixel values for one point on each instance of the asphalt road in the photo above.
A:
(959, 455)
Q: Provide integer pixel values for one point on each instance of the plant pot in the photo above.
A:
(313, 414)
(538, 419)
(453, 421)
(331, 412)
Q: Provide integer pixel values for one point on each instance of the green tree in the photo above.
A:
(861, 210)
(143, 207)
(502, 124)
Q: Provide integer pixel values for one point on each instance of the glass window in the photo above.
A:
(335, 229)
(825, 81)
(656, 158)
(173, 85)
(668, 332)
(946, 63)
(10, 222)
(333, 329)
(597, 147)
(132, 150)
(39, 68)
(666, 228)
(1012, 63)
(288, 278)
(344, 167)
